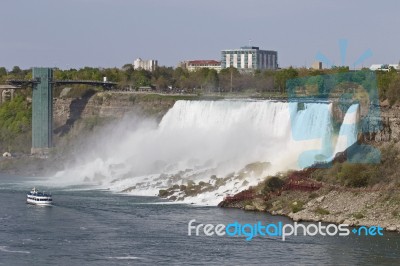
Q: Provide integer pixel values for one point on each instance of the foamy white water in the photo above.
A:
(348, 130)
(198, 139)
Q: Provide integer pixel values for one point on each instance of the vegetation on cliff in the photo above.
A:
(349, 174)
(15, 125)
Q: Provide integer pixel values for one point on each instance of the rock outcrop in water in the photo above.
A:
(192, 189)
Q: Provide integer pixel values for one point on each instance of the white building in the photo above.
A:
(384, 67)
(316, 65)
(194, 65)
(249, 58)
(149, 65)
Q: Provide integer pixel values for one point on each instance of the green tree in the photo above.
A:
(3, 74)
(282, 76)
(15, 125)
(128, 70)
(228, 78)
(3, 71)
(340, 69)
(180, 76)
(16, 70)
(142, 78)
(393, 91)
(384, 79)
(161, 83)
(211, 81)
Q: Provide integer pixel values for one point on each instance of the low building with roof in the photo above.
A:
(194, 65)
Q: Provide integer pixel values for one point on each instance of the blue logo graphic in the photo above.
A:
(279, 229)
(368, 231)
(343, 44)
(352, 94)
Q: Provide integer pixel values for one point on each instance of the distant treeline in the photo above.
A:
(168, 79)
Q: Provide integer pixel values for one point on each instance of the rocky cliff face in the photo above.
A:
(390, 131)
(382, 125)
(107, 105)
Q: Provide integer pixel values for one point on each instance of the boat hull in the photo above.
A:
(42, 203)
(39, 198)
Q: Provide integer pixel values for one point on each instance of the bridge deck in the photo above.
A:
(18, 83)
(7, 87)
(105, 84)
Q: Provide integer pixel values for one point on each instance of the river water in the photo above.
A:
(95, 227)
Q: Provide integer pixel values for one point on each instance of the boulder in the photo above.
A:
(7, 154)
(249, 208)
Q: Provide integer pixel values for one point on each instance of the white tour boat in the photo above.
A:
(39, 198)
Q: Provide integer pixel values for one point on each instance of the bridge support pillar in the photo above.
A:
(42, 110)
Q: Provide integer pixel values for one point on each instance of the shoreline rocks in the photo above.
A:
(332, 206)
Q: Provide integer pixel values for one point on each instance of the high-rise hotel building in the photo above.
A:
(249, 58)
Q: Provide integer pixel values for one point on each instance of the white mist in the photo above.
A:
(198, 139)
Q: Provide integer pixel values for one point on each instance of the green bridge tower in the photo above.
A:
(42, 104)
(42, 110)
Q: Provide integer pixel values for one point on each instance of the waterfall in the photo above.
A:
(348, 130)
(197, 140)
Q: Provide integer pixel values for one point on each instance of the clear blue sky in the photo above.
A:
(106, 33)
